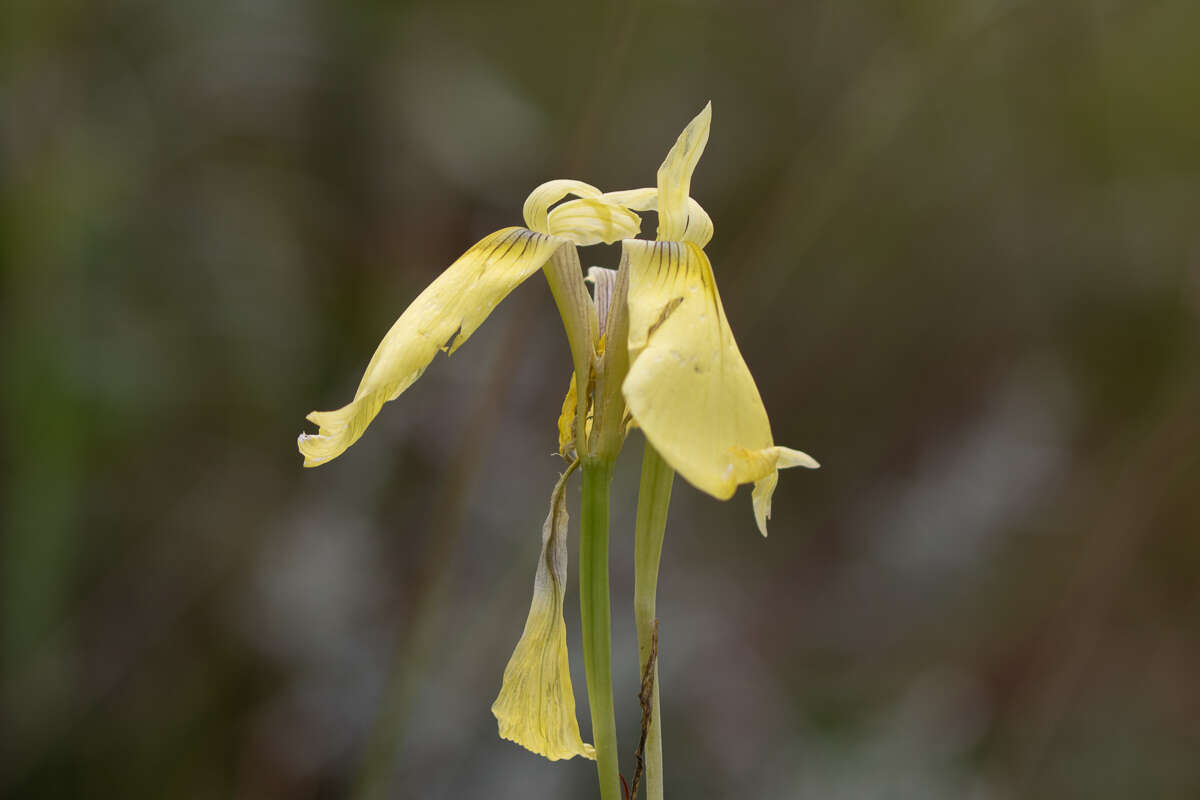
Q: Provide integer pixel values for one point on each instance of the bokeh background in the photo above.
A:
(958, 243)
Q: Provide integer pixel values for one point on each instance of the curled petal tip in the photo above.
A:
(337, 430)
(537, 206)
(310, 449)
(794, 458)
(764, 488)
(675, 175)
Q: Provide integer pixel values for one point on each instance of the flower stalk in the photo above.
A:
(597, 623)
(602, 446)
(654, 499)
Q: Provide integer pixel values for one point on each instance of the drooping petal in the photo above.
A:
(675, 176)
(688, 386)
(764, 487)
(697, 228)
(441, 317)
(536, 706)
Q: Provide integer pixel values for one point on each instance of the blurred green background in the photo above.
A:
(958, 243)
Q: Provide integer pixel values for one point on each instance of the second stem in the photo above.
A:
(654, 498)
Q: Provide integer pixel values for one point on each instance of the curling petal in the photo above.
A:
(675, 176)
(697, 228)
(536, 706)
(589, 221)
(441, 317)
(537, 205)
(764, 487)
(794, 458)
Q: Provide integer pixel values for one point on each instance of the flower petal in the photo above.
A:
(603, 282)
(688, 387)
(537, 205)
(441, 317)
(564, 274)
(589, 221)
(697, 228)
(675, 176)
(566, 421)
(764, 487)
(601, 220)
(536, 706)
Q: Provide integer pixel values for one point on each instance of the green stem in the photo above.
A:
(597, 623)
(654, 497)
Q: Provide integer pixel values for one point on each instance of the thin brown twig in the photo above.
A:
(646, 698)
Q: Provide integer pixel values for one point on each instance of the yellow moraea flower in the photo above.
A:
(460, 299)
(652, 347)
(688, 387)
(536, 706)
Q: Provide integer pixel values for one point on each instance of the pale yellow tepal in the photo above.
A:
(688, 387)
(461, 298)
(536, 706)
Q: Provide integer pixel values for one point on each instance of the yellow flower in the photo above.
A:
(688, 387)
(460, 299)
(536, 706)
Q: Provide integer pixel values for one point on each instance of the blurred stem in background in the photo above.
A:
(49, 229)
(596, 621)
(654, 498)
